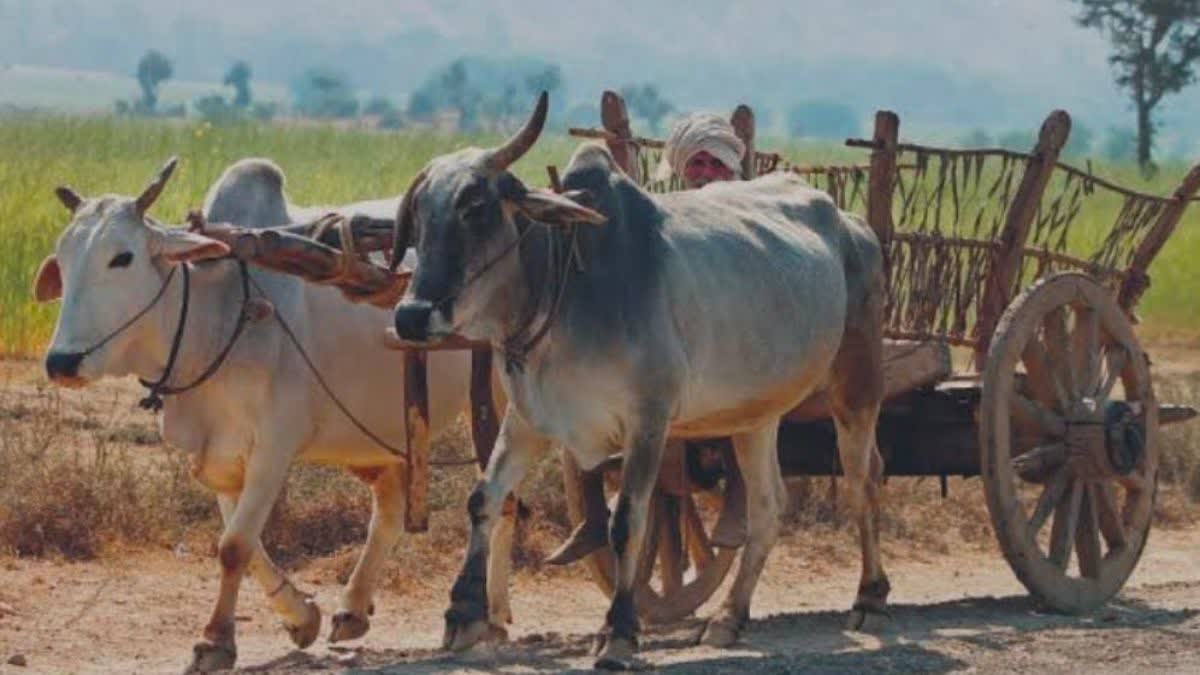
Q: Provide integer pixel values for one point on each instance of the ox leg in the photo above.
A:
(857, 391)
(499, 567)
(765, 499)
(617, 641)
(264, 478)
(352, 620)
(518, 445)
(300, 615)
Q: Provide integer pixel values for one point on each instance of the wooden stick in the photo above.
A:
(615, 118)
(743, 125)
(485, 426)
(416, 432)
(1136, 281)
(882, 181)
(1003, 274)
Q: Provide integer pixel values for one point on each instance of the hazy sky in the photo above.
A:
(986, 61)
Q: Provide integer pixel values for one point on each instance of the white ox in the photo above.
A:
(262, 408)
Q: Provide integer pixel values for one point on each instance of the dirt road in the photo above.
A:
(966, 612)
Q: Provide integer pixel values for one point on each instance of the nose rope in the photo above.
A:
(132, 320)
(325, 386)
(440, 304)
(516, 346)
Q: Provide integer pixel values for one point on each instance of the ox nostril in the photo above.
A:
(412, 320)
(63, 364)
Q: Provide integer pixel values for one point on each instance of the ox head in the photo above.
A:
(460, 214)
(107, 266)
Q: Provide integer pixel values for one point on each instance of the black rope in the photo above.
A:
(123, 327)
(158, 389)
(316, 373)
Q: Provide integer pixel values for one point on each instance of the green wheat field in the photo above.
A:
(327, 165)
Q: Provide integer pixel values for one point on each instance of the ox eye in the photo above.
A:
(121, 260)
(474, 211)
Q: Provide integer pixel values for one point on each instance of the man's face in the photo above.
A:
(702, 169)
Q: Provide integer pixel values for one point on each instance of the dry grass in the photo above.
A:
(85, 475)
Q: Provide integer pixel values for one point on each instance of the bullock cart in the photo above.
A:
(1010, 355)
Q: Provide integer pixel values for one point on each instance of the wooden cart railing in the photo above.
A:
(963, 230)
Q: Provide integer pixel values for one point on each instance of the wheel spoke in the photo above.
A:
(1108, 514)
(1066, 520)
(1085, 350)
(1115, 359)
(1087, 536)
(699, 547)
(1051, 495)
(1057, 342)
(1040, 377)
(1034, 465)
(1135, 482)
(1031, 414)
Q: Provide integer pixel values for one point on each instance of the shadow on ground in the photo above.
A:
(922, 638)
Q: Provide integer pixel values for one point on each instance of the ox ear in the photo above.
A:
(68, 197)
(47, 285)
(547, 206)
(179, 246)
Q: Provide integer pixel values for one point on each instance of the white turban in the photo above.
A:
(701, 132)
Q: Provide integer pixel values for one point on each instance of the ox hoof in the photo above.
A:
(463, 636)
(349, 626)
(868, 620)
(305, 633)
(720, 633)
(617, 653)
(209, 657)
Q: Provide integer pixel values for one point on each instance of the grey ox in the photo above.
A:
(695, 314)
(261, 409)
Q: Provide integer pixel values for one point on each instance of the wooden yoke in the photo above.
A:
(614, 117)
(743, 125)
(1006, 261)
(1136, 282)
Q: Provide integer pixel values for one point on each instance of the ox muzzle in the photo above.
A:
(63, 367)
(413, 320)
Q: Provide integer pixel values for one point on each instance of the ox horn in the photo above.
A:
(403, 229)
(512, 150)
(155, 188)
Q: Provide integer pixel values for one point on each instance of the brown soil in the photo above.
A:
(140, 613)
(957, 606)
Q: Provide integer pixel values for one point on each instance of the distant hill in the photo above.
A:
(86, 91)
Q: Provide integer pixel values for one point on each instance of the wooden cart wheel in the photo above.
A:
(680, 568)
(1068, 428)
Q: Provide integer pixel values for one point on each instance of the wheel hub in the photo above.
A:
(1125, 437)
(1103, 443)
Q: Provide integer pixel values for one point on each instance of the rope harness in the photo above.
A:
(159, 388)
(518, 344)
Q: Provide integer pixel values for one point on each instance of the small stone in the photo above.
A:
(17, 660)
